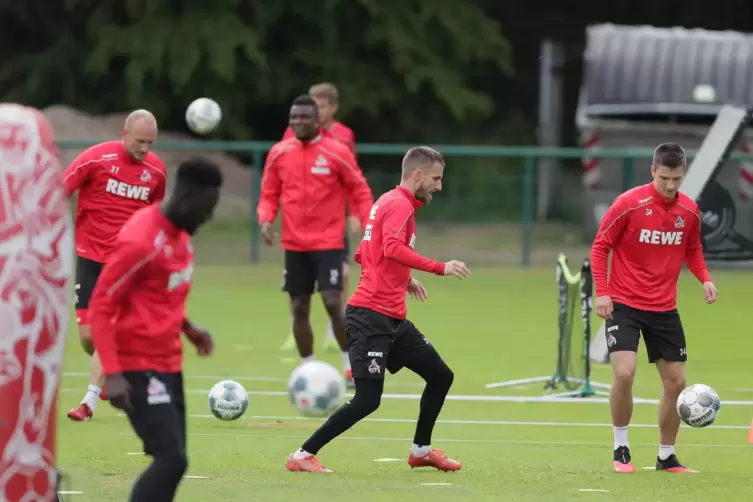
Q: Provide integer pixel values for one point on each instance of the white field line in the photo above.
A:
(475, 398)
(217, 378)
(447, 440)
(466, 422)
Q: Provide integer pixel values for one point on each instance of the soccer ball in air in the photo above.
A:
(698, 405)
(316, 389)
(228, 400)
(203, 115)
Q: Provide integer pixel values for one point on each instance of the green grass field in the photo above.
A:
(499, 324)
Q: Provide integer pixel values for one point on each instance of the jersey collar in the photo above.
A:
(125, 156)
(316, 139)
(408, 195)
(660, 198)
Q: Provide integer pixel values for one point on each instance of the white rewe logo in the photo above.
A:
(660, 238)
(121, 189)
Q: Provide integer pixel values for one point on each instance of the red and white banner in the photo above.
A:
(591, 166)
(745, 178)
(36, 266)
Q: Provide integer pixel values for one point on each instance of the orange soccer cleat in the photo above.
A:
(305, 464)
(435, 458)
(622, 462)
(81, 413)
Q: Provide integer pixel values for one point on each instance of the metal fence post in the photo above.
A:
(256, 171)
(529, 181)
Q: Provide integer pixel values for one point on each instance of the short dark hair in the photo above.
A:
(419, 156)
(670, 155)
(199, 172)
(305, 100)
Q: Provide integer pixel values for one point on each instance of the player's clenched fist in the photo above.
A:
(456, 268)
(604, 307)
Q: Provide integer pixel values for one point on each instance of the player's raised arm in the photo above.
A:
(113, 286)
(76, 174)
(610, 230)
(394, 237)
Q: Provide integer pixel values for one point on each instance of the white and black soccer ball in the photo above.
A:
(228, 400)
(203, 115)
(698, 405)
(316, 389)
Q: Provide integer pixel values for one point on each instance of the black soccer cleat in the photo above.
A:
(671, 464)
(622, 463)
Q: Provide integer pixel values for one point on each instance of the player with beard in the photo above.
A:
(114, 180)
(381, 338)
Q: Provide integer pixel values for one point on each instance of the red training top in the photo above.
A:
(313, 180)
(386, 255)
(111, 187)
(138, 304)
(336, 130)
(650, 238)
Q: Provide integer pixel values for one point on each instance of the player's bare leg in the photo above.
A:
(621, 406)
(85, 409)
(304, 335)
(332, 303)
(673, 382)
(330, 341)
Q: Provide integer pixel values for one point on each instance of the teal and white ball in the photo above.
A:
(228, 400)
(316, 389)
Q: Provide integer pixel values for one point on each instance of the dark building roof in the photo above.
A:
(643, 70)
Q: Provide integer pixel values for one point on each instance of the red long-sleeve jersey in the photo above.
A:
(386, 255)
(313, 180)
(138, 304)
(650, 238)
(336, 130)
(111, 187)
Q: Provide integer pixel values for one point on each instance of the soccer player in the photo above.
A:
(650, 230)
(327, 100)
(113, 179)
(137, 314)
(313, 176)
(381, 338)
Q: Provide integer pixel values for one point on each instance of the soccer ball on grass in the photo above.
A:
(698, 405)
(316, 389)
(228, 400)
(203, 115)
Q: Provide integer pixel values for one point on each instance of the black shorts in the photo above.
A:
(306, 268)
(377, 341)
(158, 412)
(87, 273)
(662, 332)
